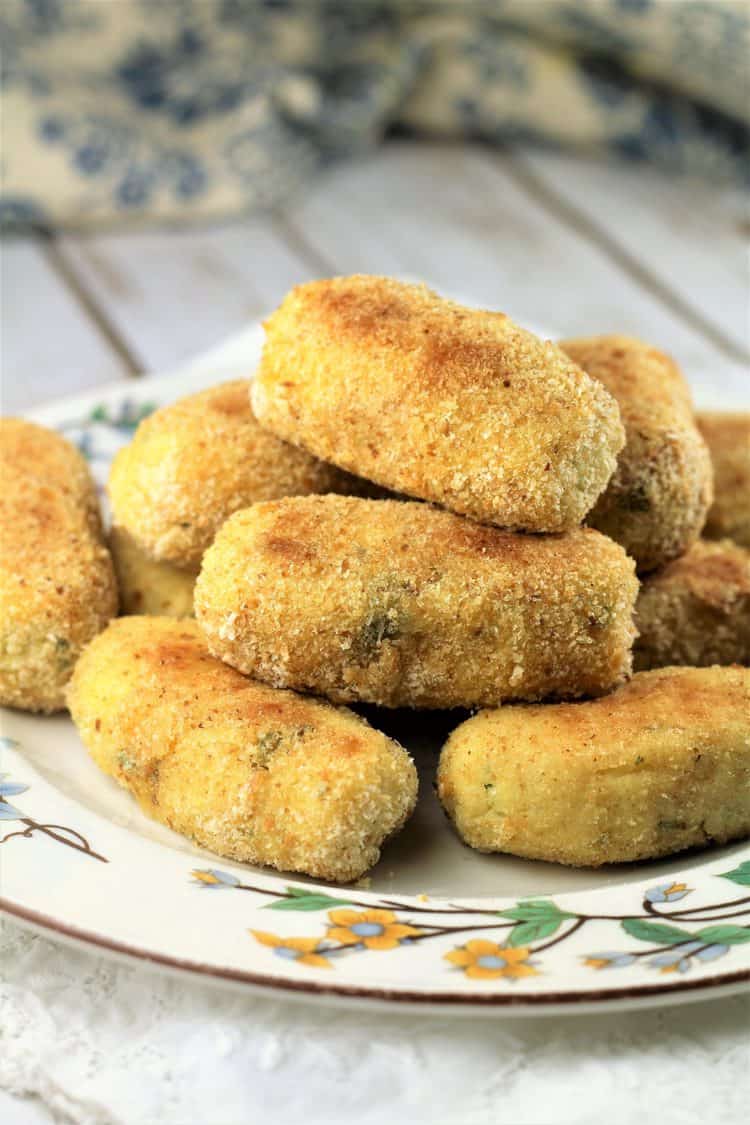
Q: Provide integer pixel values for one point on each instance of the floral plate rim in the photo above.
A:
(108, 414)
(542, 1003)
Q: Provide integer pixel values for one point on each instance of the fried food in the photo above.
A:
(405, 605)
(40, 452)
(438, 401)
(252, 773)
(191, 464)
(147, 586)
(656, 503)
(661, 765)
(728, 438)
(57, 587)
(697, 609)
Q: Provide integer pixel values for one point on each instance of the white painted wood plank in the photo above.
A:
(455, 218)
(50, 346)
(172, 293)
(690, 235)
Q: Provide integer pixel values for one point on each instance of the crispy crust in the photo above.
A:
(697, 609)
(45, 454)
(193, 463)
(661, 765)
(252, 773)
(656, 503)
(405, 605)
(728, 438)
(57, 586)
(437, 401)
(157, 589)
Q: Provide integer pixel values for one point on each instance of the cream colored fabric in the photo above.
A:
(122, 110)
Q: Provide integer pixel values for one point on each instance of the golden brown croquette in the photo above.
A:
(656, 503)
(406, 605)
(57, 586)
(728, 438)
(696, 610)
(193, 463)
(437, 401)
(43, 453)
(661, 765)
(146, 586)
(252, 773)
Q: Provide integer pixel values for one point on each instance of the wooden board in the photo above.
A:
(685, 239)
(568, 246)
(51, 345)
(174, 293)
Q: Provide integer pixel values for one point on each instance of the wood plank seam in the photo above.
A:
(596, 235)
(285, 227)
(90, 306)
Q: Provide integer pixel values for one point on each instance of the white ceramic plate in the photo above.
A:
(436, 924)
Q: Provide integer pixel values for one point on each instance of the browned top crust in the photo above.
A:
(715, 573)
(696, 611)
(673, 699)
(260, 775)
(656, 503)
(194, 462)
(450, 404)
(728, 438)
(402, 604)
(45, 454)
(57, 587)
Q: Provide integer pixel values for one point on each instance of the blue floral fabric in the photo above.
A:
(182, 109)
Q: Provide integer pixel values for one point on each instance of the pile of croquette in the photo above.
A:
(412, 504)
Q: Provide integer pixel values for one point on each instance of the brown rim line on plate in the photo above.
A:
(653, 995)
(45, 913)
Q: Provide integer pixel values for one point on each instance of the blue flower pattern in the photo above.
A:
(9, 789)
(211, 106)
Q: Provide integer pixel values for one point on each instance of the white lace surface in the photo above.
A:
(98, 1042)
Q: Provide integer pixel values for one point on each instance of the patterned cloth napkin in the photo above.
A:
(188, 109)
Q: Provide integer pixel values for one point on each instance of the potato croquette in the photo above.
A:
(57, 587)
(147, 586)
(404, 605)
(656, 503)
(696, 610)
(256, 774)
(437, 401)
(45, 454)
(728, 439)
(191, 464)
(661, 765)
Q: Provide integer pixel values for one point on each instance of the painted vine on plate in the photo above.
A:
(57, 832)
(674, 938)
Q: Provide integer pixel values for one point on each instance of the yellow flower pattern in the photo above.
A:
(485, 960)
(597, 962)
(529, 925)
(305, 951)
(374, 929)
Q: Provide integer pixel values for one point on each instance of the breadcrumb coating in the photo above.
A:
(405, 605)
(57, 586)
(437, 401)
(728, 438)
(193, 463)
(697, 609)
(45, 454)
(252, 773)
(656, 503)
(661, 765)
(159, 589)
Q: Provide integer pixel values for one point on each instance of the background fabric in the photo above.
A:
(116, 110)
(100, 1043)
